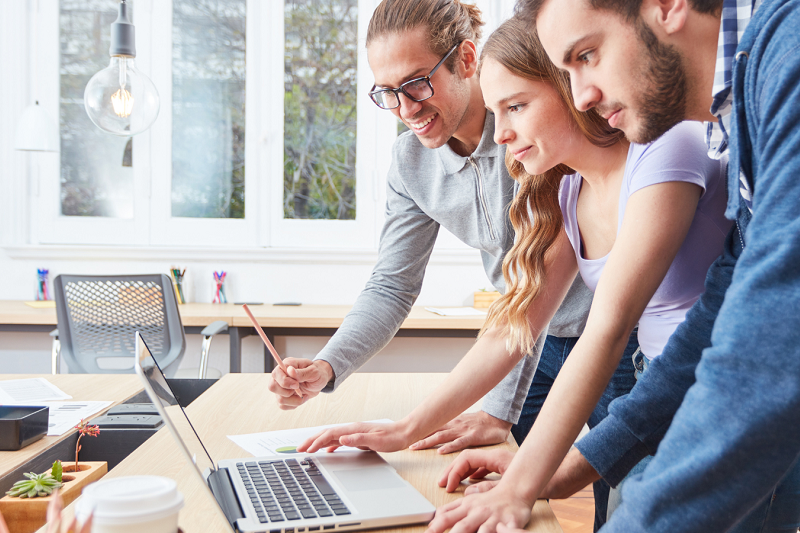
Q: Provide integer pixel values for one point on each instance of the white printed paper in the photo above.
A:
(31, 391)
(456, 311)
(284, 441)
(66, 415)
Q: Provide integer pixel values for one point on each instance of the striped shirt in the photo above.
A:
(736, 14)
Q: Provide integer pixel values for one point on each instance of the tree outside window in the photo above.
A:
(320, 109)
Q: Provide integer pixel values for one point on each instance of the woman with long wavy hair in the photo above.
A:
(642, 224)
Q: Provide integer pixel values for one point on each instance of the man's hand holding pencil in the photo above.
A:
(293, 380)
(303, 375)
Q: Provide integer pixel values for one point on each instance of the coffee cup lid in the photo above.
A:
(129, 499)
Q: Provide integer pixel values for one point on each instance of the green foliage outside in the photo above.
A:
(320, 109)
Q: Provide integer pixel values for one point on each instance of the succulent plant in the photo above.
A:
(57, 471)
(35, 485)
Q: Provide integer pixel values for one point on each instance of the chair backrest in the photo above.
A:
(98, 315)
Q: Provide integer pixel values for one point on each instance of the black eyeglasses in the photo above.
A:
(418, 89)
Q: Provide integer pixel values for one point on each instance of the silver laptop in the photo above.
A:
(293, 493)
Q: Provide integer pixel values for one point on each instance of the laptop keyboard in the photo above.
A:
(288, 489)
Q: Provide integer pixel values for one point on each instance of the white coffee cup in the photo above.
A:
(131, 504)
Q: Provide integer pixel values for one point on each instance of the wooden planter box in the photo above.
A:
(26, 515)
(484, 299)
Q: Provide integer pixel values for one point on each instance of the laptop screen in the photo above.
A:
(176, 419)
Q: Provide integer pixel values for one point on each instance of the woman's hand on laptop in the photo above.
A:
(475, 464)
(364, 435)
(304, 381)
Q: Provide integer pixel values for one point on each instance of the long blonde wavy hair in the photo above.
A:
(535, 212)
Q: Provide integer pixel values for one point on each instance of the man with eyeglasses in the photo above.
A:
(447, 171)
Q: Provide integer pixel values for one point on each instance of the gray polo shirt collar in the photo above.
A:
(453, 163)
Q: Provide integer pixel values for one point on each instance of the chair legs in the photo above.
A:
(206, 348)
(55, 356)
(208, 334)
(55, 353)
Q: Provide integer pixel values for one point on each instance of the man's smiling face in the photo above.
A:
(400, 57)
(637, 83)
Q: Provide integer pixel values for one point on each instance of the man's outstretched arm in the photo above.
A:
(638, 421)
(736, 432)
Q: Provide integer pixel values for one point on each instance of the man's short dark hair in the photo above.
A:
(630, 9)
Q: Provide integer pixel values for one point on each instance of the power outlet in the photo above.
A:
(133, 409)
(128, 422)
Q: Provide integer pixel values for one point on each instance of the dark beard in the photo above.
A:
(663, 103)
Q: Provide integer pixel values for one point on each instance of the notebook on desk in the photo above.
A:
(293, 493)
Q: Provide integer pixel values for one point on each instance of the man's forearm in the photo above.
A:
(638, 421)
(574, 474)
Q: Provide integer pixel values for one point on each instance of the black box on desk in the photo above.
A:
(22, 425)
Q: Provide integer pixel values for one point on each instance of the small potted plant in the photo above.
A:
(25, 505)
(84, 429)
(54, 519)
(38, 485)
(483, 298)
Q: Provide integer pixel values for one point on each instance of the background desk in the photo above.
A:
(240, 404)
(304, 320)
(116, 388)
(323, 320)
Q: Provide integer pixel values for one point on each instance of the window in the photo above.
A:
(208, 108)
(320, 109)
(96, 174)
(264, 137)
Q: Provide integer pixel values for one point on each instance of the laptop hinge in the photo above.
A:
(221, 486)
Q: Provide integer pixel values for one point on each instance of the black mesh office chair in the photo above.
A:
(98, 315)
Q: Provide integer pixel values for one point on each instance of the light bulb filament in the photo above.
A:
(122, 101)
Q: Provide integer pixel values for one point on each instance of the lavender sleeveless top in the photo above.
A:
(679, 155)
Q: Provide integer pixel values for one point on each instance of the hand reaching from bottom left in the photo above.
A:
(482, 511)
(57, 524)
(475, 464)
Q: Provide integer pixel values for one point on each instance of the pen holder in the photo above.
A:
(219, 292)
(42, 284)
(177, 283)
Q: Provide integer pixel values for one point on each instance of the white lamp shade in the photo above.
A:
(36, 131)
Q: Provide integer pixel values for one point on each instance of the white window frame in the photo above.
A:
(376, 132)
(263, 224)
(48, 226)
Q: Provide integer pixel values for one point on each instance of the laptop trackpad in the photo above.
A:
(373, 478)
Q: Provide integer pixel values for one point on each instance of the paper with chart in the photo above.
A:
(66, 415)
(286, 440)
(31, 391)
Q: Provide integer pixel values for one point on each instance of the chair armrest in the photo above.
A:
(215, 327)
(54, 333)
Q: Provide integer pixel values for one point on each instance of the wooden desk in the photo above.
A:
(303, 320)
(16, 315)
(323, 320)
(240, 404)
(116, 388)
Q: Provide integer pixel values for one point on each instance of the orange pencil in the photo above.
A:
(264, 338)
(270, 347)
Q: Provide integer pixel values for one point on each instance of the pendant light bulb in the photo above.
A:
(119, 99)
